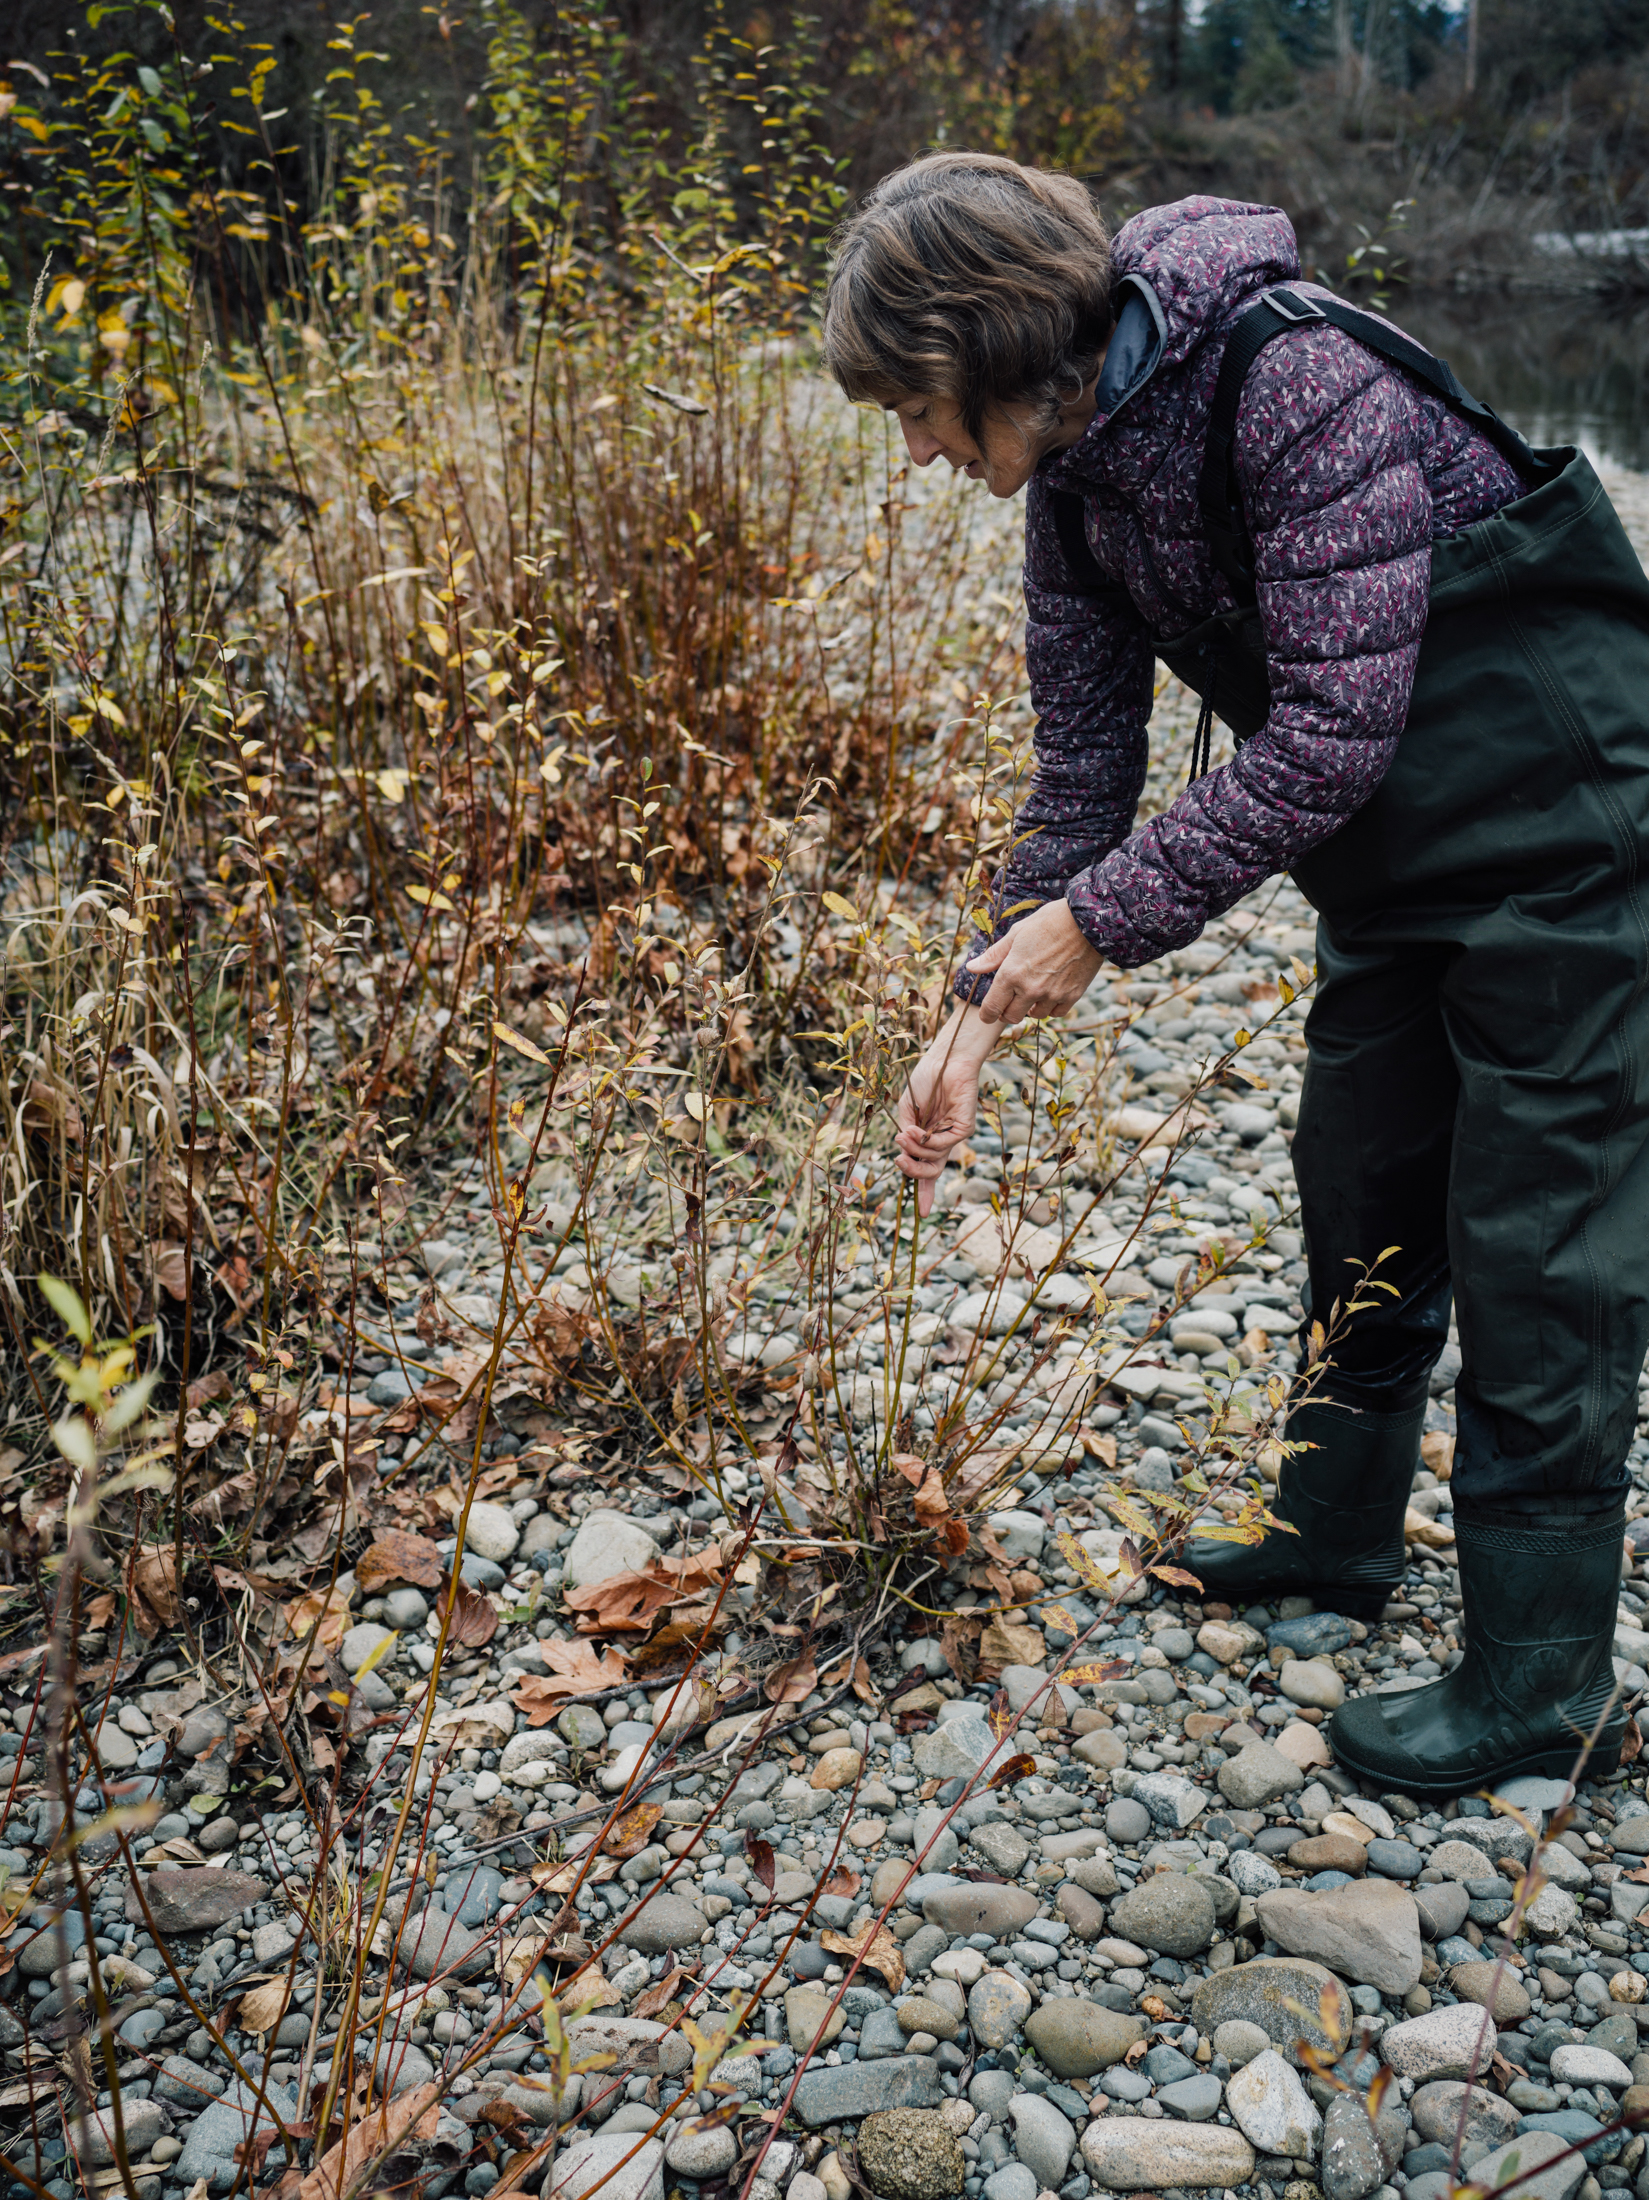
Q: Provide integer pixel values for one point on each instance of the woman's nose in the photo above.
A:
(923, 447)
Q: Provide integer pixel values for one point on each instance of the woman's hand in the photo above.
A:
(938, 1107)
(1043, 966)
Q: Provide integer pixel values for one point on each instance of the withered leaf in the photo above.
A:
(262, 2009)
(1000, 1715)
(577, 1672)
(792, 1682)
(631, 1833)
(327, 1611)
(474, 1617)
(876, 1945)
(759, 1855)
(393, 1555)
(842, 1884)
(1016, 1768)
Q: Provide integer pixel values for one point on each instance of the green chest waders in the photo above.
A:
(1477, 1094)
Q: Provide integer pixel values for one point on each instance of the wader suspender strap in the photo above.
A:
(1218, 494)
(1223, 658)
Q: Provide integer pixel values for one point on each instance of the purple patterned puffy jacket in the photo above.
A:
(1348, 471)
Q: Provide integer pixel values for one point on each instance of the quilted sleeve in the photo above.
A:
(1090, 665)
(1328, 447)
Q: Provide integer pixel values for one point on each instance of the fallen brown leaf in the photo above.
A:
(578, 1672)
(631, 1833)
(1003, 1643)
(791, 1682)
(842, 1884)
(348, 2165)
(393, 1555)
(263, 2008)
(474, 1616)
(657, 1999)
(1016, 1768)
(875, 1945)
(327, 1611)
(152, 1580)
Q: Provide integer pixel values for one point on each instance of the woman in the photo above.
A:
(1436, 642)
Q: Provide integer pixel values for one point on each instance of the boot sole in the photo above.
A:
(1364, 1604)
(1548, 1764)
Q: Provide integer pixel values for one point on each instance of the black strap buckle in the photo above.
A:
(1294, 308)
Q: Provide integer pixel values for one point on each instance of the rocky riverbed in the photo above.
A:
(1095, 1979)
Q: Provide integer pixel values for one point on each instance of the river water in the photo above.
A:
(1563, 371)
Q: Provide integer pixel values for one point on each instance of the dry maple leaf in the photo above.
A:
(577, 1672)
(875, 1945)
(393, 1555)
(628, 1603)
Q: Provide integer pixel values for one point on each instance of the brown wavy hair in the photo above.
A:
(969, 277)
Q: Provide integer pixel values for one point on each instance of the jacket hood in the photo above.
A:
(1181, 271)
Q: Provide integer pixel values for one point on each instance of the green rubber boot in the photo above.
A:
(1346, 1498)
(1537, 1678)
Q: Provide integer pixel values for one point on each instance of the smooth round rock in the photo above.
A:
(1077, 2038)
(491, 1533)
(1494, 1988)
(920, 2014)
(997, 2007)
(1239, 2041)
(1329, 1852)
(1170, 1913)
(702, 2154)
(1312, 1681)
(1127, 1821)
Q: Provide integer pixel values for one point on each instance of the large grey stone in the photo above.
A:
(1436, 2108)
(1537, 2163)
(621, 2164)
(1076, 2038)
(956, 1750)
(1170, 1797)
(1257, 1775)
(226, 2123)
(1456, 2042)
(1442, 1909)
(1043, 2139)
(143, 2123)
(432, 1945)
(1146, 2154)
(665, 1922)
(188, 2083)
(1004, 1848)
(859, 2089)
(1359, 2155)
(997, 2007)
(1268, 1992)
(697, 2153)
(1273, 2109)
(607, 1543)
(964, 1910)
(640, 2045)
(1170, 1913)
(194, 1899)
(1369, 1931)
(491, 1532)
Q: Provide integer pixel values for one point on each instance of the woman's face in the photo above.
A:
(1009, 449)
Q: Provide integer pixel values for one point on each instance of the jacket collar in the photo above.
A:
(1131, 358)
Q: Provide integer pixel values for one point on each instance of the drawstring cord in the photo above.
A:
(1202, 741)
